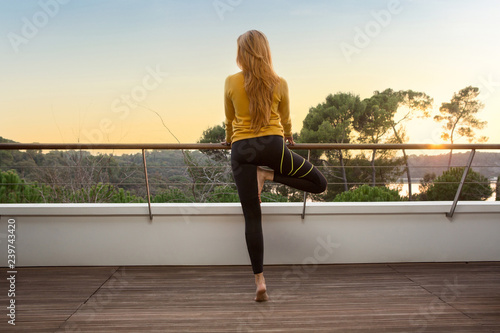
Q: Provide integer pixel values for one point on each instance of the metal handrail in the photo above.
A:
(147, 183)
(197, 146)
(302, 146)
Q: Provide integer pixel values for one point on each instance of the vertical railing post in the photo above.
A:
(408, 176)
(305, 193)
(374, 173)
(461, 185)
(147, 183)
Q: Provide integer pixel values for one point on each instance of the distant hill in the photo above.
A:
(3, 140)
(486, 163)
(124, 170)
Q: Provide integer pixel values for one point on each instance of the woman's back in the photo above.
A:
(238, 117)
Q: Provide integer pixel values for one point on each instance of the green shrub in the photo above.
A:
(96, 193)
(13, 189)
(230, 194)
(223, 194)
(444, 188)
(172, 195)
(367, 193)
(122, 196)
(272, 197)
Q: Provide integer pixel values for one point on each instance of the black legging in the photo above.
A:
(289, 169)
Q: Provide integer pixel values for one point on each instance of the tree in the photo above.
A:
(215, 134)
(444, 188)
(344, 118)
(425, 183)
(460, 119)
(79, 176)
(375, 123)
(210, 169)
(332, 122)
(412, 104)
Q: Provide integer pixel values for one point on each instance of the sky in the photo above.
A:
(112, 71)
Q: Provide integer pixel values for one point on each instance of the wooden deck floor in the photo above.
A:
(449, 297)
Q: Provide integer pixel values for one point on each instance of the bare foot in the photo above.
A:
(262, 176)
(261, 293)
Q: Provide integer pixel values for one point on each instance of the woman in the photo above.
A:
(257, 126)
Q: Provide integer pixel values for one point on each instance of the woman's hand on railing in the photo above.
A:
(224, 143)
(289, 140)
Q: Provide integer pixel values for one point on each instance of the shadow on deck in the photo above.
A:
(430, 297)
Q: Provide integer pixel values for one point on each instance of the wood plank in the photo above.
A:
(429, 297)
(47, 296)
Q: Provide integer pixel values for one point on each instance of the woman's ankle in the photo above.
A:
(261, 292)
(259, 279)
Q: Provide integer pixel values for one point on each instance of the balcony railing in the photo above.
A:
(472, 148)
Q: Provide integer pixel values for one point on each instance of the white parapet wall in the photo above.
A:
(213, 234)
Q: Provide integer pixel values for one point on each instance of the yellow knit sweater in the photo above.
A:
(238, 119)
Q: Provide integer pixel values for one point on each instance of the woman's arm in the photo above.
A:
(284, 112)
(229, 111)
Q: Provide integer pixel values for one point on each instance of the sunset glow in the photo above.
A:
(94, 71)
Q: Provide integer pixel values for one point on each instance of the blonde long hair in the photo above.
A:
(254, 59)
